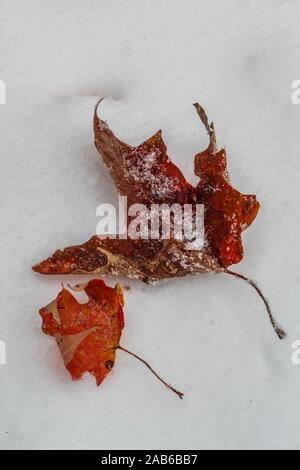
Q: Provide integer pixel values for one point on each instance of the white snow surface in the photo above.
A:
(208, 335)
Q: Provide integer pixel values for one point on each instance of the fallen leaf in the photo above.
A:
(86, 334)
(89, 334)
(146, 175)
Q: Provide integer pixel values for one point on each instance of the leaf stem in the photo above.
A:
(279, 331)
(180, 394)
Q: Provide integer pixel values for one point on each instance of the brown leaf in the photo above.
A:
(146, 175)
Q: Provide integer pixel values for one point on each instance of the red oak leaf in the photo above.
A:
(146, 175)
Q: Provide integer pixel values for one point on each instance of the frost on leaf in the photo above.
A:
(146, 175)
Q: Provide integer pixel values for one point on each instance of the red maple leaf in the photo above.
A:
(88, 335)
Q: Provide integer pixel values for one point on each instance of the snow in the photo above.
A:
(208, 335)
